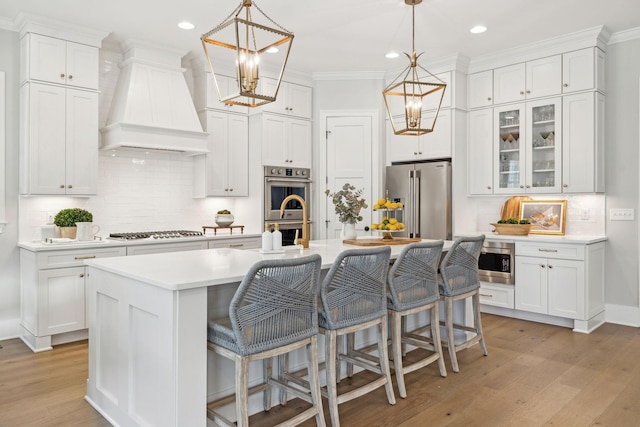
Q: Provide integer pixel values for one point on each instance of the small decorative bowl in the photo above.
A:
(224, 220)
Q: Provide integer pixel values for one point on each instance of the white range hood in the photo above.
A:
(152, 108)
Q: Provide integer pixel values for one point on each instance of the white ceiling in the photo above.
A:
(348, 35)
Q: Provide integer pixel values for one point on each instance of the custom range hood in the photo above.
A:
(152, 108)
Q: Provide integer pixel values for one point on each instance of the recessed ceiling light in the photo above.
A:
(478, 29)
(185, 25)
(392, 55)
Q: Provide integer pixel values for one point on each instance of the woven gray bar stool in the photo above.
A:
(353, 296)
(273, 312)
(413, 289)
(459, 270)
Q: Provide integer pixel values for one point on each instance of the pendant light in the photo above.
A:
(413, 92)
(246, 46)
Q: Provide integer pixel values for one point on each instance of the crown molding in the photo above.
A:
(591, 37)
(8, 24)
(626, 35)
(32, 23)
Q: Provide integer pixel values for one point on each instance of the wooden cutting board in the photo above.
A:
(380, 241)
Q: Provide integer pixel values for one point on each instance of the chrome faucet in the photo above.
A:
(304, 240)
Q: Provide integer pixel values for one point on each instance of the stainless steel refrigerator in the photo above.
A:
(425, 191)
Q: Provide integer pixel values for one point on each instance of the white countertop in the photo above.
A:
(193, 269)
(37, 245)
(576, 239)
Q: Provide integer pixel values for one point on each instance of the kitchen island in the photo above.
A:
(148, 330)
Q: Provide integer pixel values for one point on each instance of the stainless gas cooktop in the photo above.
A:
(171, 234)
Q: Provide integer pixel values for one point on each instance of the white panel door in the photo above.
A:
(531, 284)
(82, 142)
(480, 152)
(349, 145)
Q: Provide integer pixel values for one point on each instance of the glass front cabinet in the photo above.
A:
(528, 147)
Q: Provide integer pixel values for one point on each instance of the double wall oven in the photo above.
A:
(280, 182)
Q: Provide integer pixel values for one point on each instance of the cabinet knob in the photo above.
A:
(521, 93)
(522, 186)
(528, 91)
(81, 275)
(541, 265)
(61, 185)
(566, 85)
(69, 186)
(231, 189)
(551, 266)
(62, 75)
(565, 185)
(489, 99)
(488, 187)
(527, 186)
(70, 76)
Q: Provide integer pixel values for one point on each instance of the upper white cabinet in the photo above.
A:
(583, 70)
(480, 152)
(224, 171)
(292, 99)
(285, 141)
(58, 140)
(206, 93)
(528, 145)
(583, 147)
(59, 61)
(434, 145)
(533, 79)
(480, 89)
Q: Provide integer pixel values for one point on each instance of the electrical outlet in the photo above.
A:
(50, 217)
(622, 214)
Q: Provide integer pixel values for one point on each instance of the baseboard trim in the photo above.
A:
(622, 315)
(10, 328)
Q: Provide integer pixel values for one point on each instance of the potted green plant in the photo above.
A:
(348, 203)
(66, 219)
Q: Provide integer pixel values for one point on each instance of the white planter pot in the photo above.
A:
(348, 231)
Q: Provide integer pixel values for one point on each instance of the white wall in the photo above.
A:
(9, 257)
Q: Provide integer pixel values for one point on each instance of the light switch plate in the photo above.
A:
(622, 214)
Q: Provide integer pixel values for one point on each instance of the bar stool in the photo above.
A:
(273, 312)
(353, 296)
(459, 270)
(413, 288)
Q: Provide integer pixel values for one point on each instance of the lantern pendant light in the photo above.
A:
(412, 93)
(246, 46)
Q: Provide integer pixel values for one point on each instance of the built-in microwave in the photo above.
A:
(496, 263)
(280, 182)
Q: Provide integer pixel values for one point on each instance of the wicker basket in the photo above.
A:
(513, 229)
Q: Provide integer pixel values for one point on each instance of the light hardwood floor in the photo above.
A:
(534, 375)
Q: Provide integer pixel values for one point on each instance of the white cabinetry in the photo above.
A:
(583, 143)
(59, 61)
(59, 140)
(224, 171)
(583, 70)
(285, 141)
(563, 280)
(59, 116)
(434, 145)
(480, 152)
(206, 95)
(292, 99)
(237, 243)
(480, 89)
(497, 295)
(533, 79)
(528, 147)
(52, 287)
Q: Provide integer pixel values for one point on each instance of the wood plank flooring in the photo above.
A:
(534, 375)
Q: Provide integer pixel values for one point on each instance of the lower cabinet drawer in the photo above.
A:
(76, 257)
(497, 295)
(237, 243)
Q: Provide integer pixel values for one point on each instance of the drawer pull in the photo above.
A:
(236, 245)
(82, 275)
(85, 257)
(547, 250)
(486, 295)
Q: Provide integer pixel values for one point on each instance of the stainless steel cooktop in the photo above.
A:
(169, 234)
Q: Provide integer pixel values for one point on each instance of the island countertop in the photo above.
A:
(210, 267)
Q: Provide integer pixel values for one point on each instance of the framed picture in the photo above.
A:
(547, 216)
